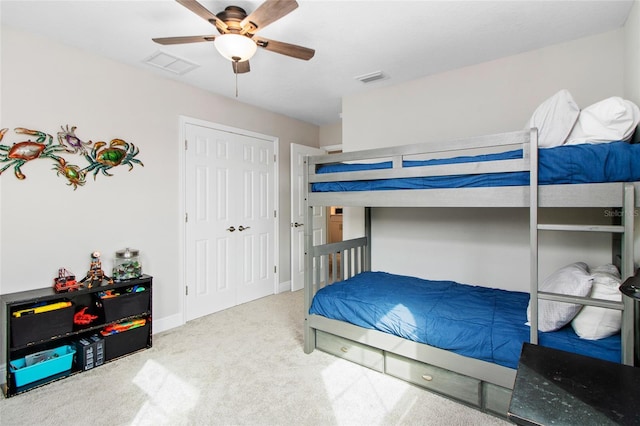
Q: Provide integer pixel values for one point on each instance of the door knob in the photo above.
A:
(231, 229)
(242, 228)
(298, 224)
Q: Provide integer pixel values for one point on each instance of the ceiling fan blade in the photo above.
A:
(240, 67)
(204, 13)
(185, 39)
(266, 13)
(287, 49)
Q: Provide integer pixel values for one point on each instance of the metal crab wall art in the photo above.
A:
(20, 153)
(67, 137)
(101, 157)
(74, 175)
(104, 159)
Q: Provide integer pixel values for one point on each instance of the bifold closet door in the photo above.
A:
(230, 245)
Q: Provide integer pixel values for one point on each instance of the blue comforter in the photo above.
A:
(567, 164)
(478, 322)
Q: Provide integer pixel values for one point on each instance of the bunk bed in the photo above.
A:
(503, 170)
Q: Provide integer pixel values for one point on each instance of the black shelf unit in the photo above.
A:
(111, 311)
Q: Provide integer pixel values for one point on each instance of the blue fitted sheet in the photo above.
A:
(567, 164)
(478, 322)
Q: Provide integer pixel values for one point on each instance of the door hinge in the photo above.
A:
(186, 217)
(274, 158)
(275, 213)
(186, 290)
(185, 144)
(275, 269)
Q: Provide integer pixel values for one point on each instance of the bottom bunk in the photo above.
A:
(458, 340)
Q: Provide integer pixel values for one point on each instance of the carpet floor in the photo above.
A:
(241, 366)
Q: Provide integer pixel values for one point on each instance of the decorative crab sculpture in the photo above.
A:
(101, 158)
(72, 173)
(104, 159)
(20, 153)
(73, 143)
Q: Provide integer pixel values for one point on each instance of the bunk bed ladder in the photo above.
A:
(625, 229)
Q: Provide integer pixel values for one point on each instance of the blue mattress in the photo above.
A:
(477, 322)
(570, 164)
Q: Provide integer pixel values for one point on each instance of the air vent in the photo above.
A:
(371, 77)
(171, 63)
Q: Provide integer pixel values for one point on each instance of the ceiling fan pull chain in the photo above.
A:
(236, 69)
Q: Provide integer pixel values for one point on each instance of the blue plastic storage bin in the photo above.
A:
(58, 360)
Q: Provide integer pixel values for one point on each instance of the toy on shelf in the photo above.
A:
(123, 326)
(96, 275)
(83, 318)
(108, 294)
(127, 265)
(65, 281)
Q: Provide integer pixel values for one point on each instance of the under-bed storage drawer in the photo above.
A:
(350, 350)
(434, 378)
(496, 398)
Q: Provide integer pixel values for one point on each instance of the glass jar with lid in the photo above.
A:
(127, 264)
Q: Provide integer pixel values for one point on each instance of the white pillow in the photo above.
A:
(554, 119)
(594, 323)
(608, 269)
(612, 119)
(573, 280)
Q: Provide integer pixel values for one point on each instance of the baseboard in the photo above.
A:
(284, 286)
(167, 323)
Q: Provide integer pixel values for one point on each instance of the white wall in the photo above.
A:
(331, 134)
(632, 54)
(480, 246)
(491, 97)
(46, 224)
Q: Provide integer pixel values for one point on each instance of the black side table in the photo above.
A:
(562, 388)
(631, 288)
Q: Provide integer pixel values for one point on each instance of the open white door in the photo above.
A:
(298, 152)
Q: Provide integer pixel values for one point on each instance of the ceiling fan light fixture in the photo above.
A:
(235, 47)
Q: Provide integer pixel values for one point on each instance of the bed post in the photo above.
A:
(309, 333)
(367, 233)
(627, 271)
(533, 234)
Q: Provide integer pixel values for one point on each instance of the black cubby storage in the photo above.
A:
(119, 344)
(35, 327)
(40, 345)
(127, 304)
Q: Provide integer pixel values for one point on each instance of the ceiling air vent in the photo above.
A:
(371, 77)
(171, 63)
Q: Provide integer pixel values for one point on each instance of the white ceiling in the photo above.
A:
(404, 39)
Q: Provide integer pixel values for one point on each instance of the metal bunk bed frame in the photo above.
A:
(478, 383)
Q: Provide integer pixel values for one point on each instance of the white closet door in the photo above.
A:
(255, 218)
(229, 180)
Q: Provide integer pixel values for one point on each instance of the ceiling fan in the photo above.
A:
(238, 40)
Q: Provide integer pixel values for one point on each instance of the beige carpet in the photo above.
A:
(242, 366)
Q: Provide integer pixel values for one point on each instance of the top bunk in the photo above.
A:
(458, 174)
(575, 159)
